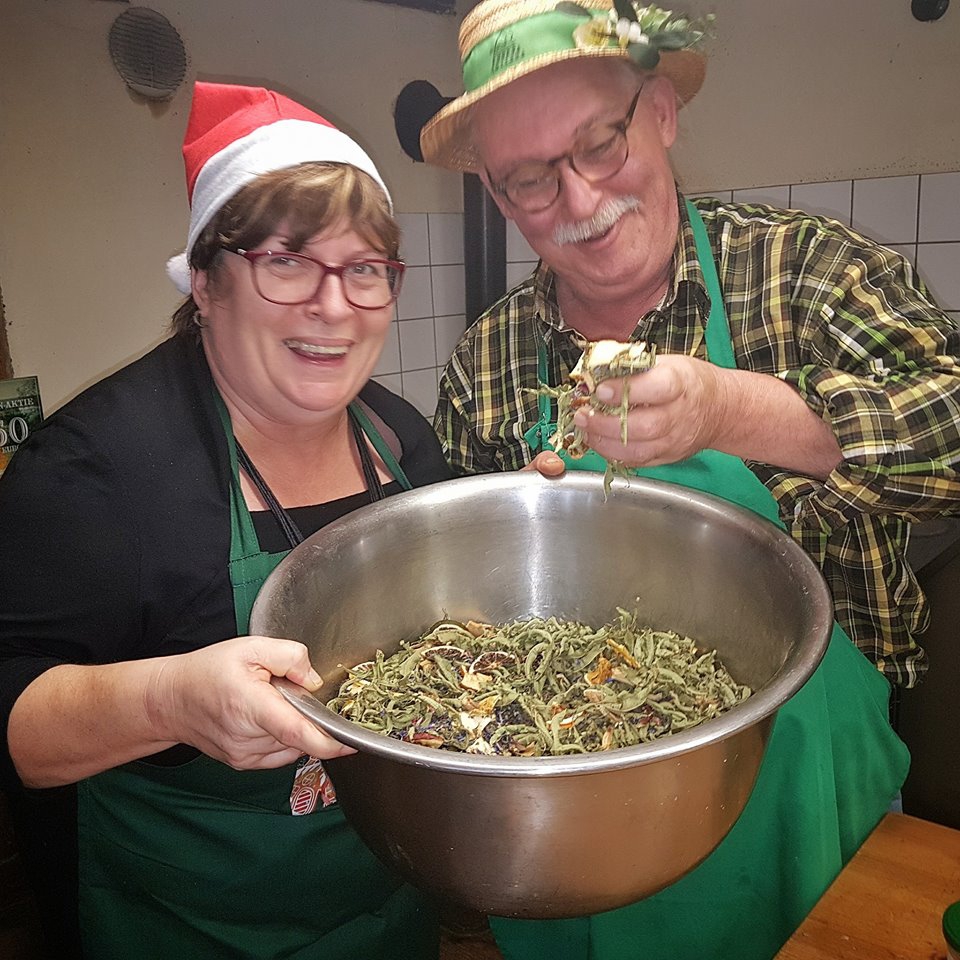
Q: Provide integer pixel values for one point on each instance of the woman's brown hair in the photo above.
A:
(308, 199)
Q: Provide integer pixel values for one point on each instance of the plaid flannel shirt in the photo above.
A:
(847, 322)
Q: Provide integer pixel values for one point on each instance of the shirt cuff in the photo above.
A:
(874, 455)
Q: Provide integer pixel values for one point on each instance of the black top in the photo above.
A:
(115, 543)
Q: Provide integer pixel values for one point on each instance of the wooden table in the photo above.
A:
(888, 902)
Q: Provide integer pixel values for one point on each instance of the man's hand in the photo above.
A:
(547, 463)
(685, 405)
(676, 410)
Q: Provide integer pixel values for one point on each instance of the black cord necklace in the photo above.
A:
(289, 529)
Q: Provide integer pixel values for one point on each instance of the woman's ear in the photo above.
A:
(200, 289)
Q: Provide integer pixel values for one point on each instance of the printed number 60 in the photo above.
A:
(16, 431)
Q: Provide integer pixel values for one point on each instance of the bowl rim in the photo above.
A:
(758, 707)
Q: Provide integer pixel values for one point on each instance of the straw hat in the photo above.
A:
(503, 40)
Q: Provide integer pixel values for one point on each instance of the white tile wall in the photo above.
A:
(416, 294)
(430, 309)
(449, 294)
(834, 199)
(418, 347)
(420, 388)
(390, 357)
(919, 216)
(446, 237)
(938, 249)
(448, 331)
(414, 239)
(887, 209)
(392, 381)
(939, 265)
(906, 250)
(518, 271)
(916, 215)
(773, 196)
(939, 207)
(521, 260)
(518, 250)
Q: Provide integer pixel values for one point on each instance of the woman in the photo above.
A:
(139, 523)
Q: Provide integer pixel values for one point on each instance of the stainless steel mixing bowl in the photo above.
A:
(551, 836)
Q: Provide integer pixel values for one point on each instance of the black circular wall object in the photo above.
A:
(418, 101)
(148, 53)
(929, 9)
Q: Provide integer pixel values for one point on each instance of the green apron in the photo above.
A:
(832, 766)
(205, 862)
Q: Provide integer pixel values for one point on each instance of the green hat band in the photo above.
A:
(537, 35)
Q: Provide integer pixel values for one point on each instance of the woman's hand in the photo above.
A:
(220, 700)
(547, 463)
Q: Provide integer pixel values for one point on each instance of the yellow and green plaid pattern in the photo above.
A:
(847, 322)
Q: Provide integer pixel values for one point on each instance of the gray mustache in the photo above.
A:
(608, 214)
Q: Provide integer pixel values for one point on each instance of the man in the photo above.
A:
(846, 397)
(801, 370)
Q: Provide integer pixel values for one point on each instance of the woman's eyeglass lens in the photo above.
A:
(291, 278)
(601, 154)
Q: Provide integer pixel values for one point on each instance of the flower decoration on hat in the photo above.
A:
(643, 31)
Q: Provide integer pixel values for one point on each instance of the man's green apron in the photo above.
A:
(202, 862)
(832, 766)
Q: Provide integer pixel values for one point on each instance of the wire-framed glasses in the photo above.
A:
(290, 278)
(599, 154)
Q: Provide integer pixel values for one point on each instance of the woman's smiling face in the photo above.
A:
(291, 364)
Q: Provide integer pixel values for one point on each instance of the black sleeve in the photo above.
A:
(422, 460)
(69, 567)
(114, 539)
(69, 563)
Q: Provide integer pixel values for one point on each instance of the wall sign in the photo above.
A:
(20, 414)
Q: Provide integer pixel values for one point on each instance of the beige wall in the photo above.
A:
(91, 183)
(813, 90)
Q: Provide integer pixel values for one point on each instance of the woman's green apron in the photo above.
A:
(202, 862)
(832, 766)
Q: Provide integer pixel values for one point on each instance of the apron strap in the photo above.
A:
(371, 478)
(380, 445)
(717, 333)
(543, 401)
(243, 536)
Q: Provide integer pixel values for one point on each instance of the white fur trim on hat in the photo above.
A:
(178, 270)
(275, 146)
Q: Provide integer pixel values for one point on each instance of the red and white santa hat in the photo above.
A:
(237, 133)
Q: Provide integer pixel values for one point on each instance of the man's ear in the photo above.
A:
(663, 100)
(503, 205)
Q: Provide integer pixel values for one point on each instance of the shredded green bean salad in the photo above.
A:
(538, 687)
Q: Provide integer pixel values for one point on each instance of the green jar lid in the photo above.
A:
(951, 925)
